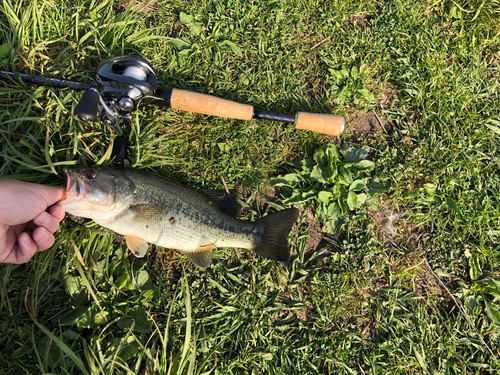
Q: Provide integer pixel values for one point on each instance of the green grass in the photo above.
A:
(425, 300)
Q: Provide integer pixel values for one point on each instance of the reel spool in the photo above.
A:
(136, 72)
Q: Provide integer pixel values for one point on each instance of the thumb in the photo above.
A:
(21, 201)
(51, 194)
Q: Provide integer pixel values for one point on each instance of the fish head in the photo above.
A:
(97, 193)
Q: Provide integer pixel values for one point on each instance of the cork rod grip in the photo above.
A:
(320, 123)
(209, 105)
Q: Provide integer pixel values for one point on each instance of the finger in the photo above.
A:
(47, 221)
(43, 238)
(58, 212)
(24, 250)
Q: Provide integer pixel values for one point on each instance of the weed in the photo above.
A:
(334, 182)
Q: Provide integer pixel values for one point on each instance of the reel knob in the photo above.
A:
(126, 104)
(88, 108)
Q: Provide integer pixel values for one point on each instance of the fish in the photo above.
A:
(150, 209)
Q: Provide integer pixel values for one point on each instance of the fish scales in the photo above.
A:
(195, 217)
(151, 209)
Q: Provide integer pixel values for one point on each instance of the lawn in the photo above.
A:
(395, 256)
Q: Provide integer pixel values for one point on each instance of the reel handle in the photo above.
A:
(209, 105)
(320, 123)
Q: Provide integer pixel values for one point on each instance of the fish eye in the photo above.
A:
(90, 175)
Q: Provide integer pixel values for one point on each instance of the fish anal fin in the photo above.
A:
(137, 246)
(202, 256)
(225, 201)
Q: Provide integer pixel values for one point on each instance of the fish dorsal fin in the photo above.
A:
(202, 257)
(137, 246)
(225, 201)
(153, 212)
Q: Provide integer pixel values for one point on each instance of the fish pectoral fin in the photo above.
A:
(137, 246)
(202, 257)
(145, 212)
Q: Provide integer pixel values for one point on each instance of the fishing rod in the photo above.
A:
(124, 83)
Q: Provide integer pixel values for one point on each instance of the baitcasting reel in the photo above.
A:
(124, 83)
(120, 85)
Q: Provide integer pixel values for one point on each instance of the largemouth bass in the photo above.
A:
(151, 209)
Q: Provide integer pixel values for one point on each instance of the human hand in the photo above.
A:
(26, 226)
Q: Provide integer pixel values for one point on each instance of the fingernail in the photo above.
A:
(43, 218)
(26, 240)
(42, 235)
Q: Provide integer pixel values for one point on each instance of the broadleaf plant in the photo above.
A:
(332, 183)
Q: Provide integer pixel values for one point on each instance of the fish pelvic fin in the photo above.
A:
(137, 246)
(202, 257)
(273, 244)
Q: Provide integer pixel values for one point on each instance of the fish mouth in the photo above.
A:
(75, 186)
(70, 178)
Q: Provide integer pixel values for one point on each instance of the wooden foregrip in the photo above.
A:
(209, 105)
(321, 123)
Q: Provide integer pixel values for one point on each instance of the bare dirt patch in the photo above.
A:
(387, 96)
(315, 233)
(426, 283)
(360, 21)
(166, 261)
(367, 327)
(435, 294)
(257, 199)
(138, 6)
(368, 124)
(395, 229)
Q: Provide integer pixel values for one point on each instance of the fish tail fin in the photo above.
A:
(273, 244)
